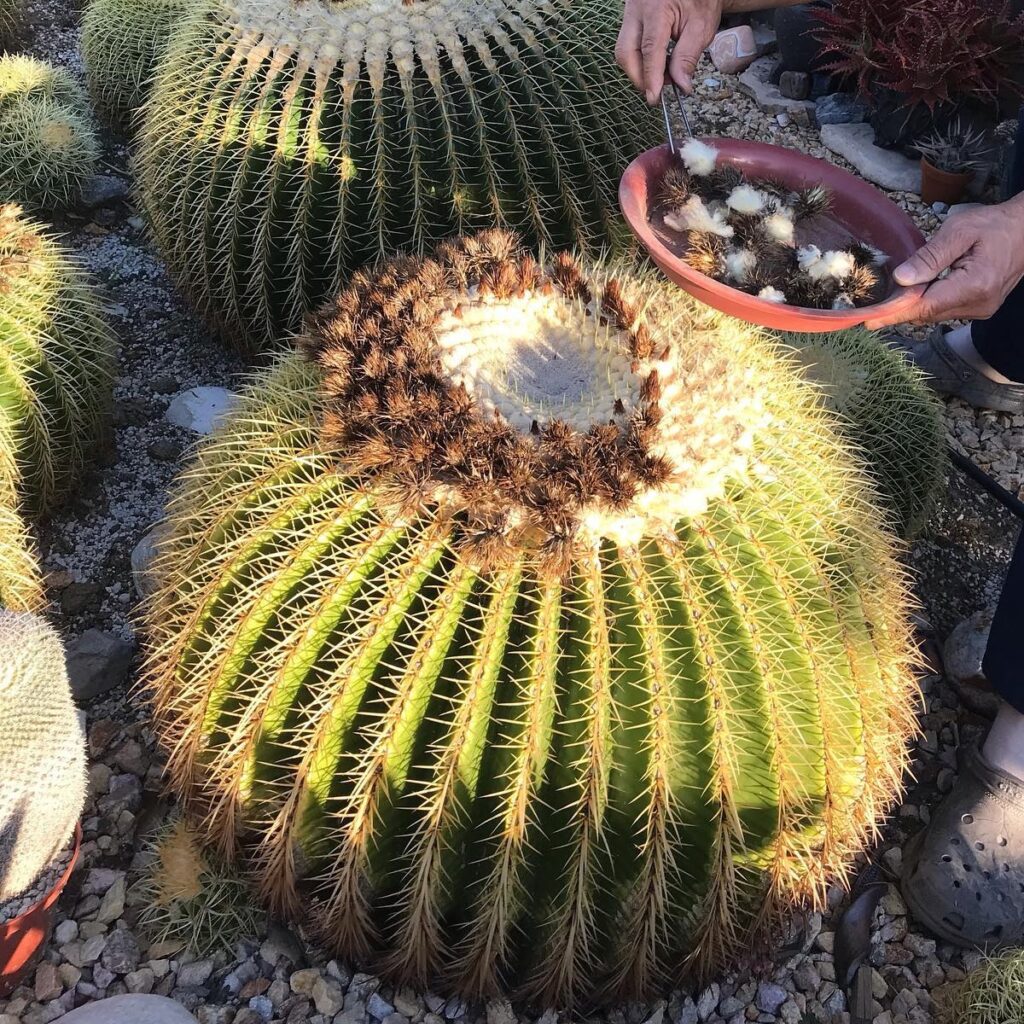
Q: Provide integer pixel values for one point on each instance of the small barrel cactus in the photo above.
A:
(890, 415)
(122, 42)
(48, 144)
(56, 363)
(288, 143)
(540, 636)
(42, 753)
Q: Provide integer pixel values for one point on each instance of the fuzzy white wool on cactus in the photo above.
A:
(694, 215)
(698, 157)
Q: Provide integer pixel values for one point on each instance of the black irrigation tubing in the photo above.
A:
(983, 480)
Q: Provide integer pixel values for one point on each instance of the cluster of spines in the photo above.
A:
(10, 16)
(769, 265)
(392, 406)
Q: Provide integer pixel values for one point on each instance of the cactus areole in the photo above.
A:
(536, 639)
(289, 143)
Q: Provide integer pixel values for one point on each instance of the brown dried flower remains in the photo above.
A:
(394, 413)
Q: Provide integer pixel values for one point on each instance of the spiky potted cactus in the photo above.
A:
(351, 129)
(540, 636)
(56, 363)
(42, 786)
(122, 42)
(890, 415)
(48, 145)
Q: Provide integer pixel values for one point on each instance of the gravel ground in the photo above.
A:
(98, 949)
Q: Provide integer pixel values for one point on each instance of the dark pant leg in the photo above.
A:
(1004, 659)
(1000, 339)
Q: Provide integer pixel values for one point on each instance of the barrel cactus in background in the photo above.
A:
(56, 364)
(286, 143)
(122, 42)
(42, 752)
(48, 145)
(20, 583)
(538, 636)
(10, 16)
(890, 414)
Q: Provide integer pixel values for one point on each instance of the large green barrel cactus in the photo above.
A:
(889, 413)
(48, 145)
(42, 752)
(539, 636)
(289, 142)
(122, 42)
(56, 364)
(20, 584)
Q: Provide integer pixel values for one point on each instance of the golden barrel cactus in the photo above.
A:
(288, 143)
(537, 636)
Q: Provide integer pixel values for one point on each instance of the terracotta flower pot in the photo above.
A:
(860, 211)
(22, 939)
(939, 186)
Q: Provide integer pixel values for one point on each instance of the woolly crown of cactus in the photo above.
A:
(42, 752)
(353, 129)
(122, 42)
(56, 364)
(523, 640)
(48, 145)
(891, 417)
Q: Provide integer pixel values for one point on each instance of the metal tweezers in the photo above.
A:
(680, 102)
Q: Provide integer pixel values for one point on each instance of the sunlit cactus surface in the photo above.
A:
(891, 416)
(288, 143)
(48, 145)
(56, 364)
(535, 637)
(122, 42)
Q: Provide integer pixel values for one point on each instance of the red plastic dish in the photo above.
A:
(860, 212)
(22, 939)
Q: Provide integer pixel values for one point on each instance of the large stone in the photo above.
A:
(856, 144)
(143, 554)
(201, 409)
(103, 190)
(756, 83)
(841, 108)
(962, 657)
(130, 1009)
(795, 85)
(733, 49)
(98, 662)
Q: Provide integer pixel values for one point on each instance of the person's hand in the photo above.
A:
(647, 28)
(983, 250)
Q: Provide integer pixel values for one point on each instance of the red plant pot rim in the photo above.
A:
(22, 937)
(870, 215)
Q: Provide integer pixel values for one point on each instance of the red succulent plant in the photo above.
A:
(929, 51)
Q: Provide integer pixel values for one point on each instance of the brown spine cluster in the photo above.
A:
(393, 412)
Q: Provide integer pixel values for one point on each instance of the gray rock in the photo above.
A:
(764, 40)
(795, 85)
(280, 944)
(856, 143)
(263, 1006)
(104, 189)
(98, 662)
(770, 997)
(195, 974)
(378, 1006)
(76, 598)
(962, 657)
(707, 1001)
(806, 977)
(201, 409)
(841, 108)
(121, 952)
(112, 906)
(130, 1009)
(328, 996)
(755, 82)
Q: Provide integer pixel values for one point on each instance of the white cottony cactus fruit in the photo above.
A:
(42, 752)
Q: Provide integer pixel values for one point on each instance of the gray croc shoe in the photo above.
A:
(963, 875)
(950, 374)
